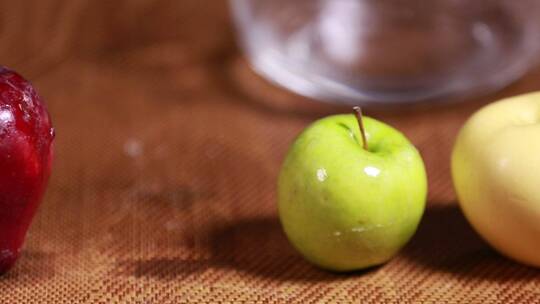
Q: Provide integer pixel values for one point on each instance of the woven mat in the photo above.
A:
(168, 148)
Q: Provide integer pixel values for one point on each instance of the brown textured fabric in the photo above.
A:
(167, 153)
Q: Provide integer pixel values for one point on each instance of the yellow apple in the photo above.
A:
(496, 173)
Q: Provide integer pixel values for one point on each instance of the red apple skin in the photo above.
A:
(26, 137)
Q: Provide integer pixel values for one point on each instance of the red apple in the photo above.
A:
(26, 137)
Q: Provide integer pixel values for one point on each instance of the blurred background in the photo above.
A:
(169, 145)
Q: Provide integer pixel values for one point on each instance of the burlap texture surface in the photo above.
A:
(167, 153)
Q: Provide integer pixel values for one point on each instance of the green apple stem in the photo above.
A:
(358, 111)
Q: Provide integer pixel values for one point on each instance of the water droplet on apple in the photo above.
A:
(321, 174)
(359, 229)
(372, 171)
(6, 116)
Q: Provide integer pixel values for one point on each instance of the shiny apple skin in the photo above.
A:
(26, 137)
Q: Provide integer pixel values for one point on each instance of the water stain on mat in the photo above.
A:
(181, 197)
(32, 266)
(254, 246)
(161, 268)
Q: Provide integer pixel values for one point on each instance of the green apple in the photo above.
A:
(345, 206)
(496, 173)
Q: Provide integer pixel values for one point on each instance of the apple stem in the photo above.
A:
(358, 111)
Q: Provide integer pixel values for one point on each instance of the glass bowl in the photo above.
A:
(389, 51)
